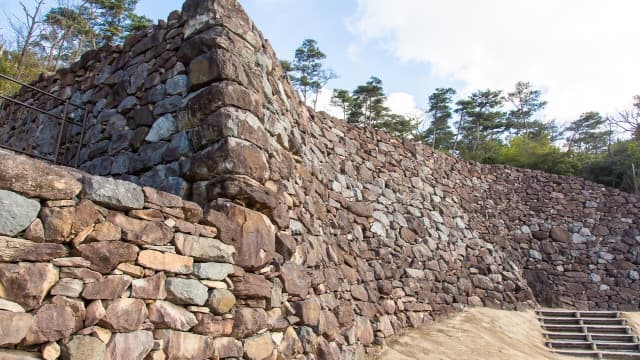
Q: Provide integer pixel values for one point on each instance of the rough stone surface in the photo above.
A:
(124, 315)
(16, 212)
(82, 347)
(13, 250)
(26, 283)
(106, 255)
(141, 231)
(35, 179)
(186, 291)
(221, 301)
(134, 345)
(165, 315)
(116, 194)
(181, 345)
(109, 287)
(259, 347)
(13, 327)
(212, 270)
(150, 288)
(168, 262)
(204, 249)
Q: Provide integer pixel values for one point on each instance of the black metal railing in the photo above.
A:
(15, 109)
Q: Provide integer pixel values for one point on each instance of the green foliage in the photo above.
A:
(309, 74)
(526, 103)
(536, 154)
(397, 125)
(439, 134)
(481, 122)
(615, 168)
(368, 103)
(342, 99)
(586, 134)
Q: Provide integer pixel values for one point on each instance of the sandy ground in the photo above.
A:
(476, 334)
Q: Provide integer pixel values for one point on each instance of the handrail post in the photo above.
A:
(84, 124)
(62, 122)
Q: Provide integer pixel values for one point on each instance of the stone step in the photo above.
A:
(578, 314)
(593, 345)
(603, 329)
(599, 354)
(582, 321)
(594, 337)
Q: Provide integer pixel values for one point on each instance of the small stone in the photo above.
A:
(227, 347)
(106, 231)
(113, 194)
(134, 345)
(295, 280)
(212, 270)
(10, 306)
(249, 321)
(51, 351)
(204, 249)
(165, 315)
(95, 312)
(150, 288)
(183, 345)
(107, 255)
(186, 291)
(162, 129)
(82, 347)
(16, 212)
(142, 232)
(147, 214)
(221, 301)
(71, 262)
(252, 286)
(131, 270)
(57, 223)
(27, 283)
(35, 231)
(169, 262)
(14, 250)
(308, 311)
(6, 354)
(124, 315)
(53, 322)
(14, 327)
(68, 287)
(109, 287)
(259, 347)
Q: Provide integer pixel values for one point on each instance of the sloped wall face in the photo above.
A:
(339, 236)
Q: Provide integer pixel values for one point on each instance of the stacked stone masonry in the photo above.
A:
(282, 233)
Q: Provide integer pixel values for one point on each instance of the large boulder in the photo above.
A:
(105, 256)
(183, 345)
(14, 327)
(36, 179)
(14, 250)
(112, 193)
(133, 345)
(165, 315)
(27, 283)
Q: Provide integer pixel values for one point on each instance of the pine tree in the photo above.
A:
(439, 134)
(526, 102)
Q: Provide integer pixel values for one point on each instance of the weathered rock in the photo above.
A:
(204, 249)
(129, 346)
(68, 287)
(26, 283)
(141, 231)
(212, 270)
(560, 234)
(221, 301)
(230, 156)
(308, 311)
(51, 351)
(6, 354)
(109, 287)
(57, 223)
(82, 347)
(252, 286)
(35, 231)
(255, 238)
(106, 255)
(227, 347)
(259, 347)
(290, 345)
(14, 327)
(162, 129)
(95, 312)
(112, 193)
(14, 250)
(169, 262)
(186, 291)
(149, 288)
(105, 231)
(245, 190)
(53, 322)
(165, 315)
(295, 280)
(364, 330)
(182, 345)
(34, 178)
(10, 306)
(124, 315)
(16, 212)
(249, 321)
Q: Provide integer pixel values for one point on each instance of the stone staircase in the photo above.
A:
(599, 334)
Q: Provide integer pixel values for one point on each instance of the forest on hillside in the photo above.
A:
(489, 125)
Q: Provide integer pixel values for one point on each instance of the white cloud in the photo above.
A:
(404, 104)
(583, 53)
(324, 103)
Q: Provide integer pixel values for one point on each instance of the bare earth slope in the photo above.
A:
(476, 334)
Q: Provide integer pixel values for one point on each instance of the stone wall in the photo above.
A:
(341, 236)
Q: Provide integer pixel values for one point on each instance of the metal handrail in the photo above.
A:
(62, 119)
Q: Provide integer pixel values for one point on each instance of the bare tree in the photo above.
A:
(26, 30)
(629, 120)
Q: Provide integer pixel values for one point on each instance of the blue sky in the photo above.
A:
(582, 53)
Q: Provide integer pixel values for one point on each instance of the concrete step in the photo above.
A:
(601, 329)
(600, 354)
(582, 321)
(594, 345)
(594, 336)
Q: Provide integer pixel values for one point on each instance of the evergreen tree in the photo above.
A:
(439, 134)
(342, 99)
(586, 134)
(526, 102)
(484, 122)
(310, 75)
(397, 125)
(368, 103)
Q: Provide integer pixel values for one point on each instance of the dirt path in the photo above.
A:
(476, 334)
